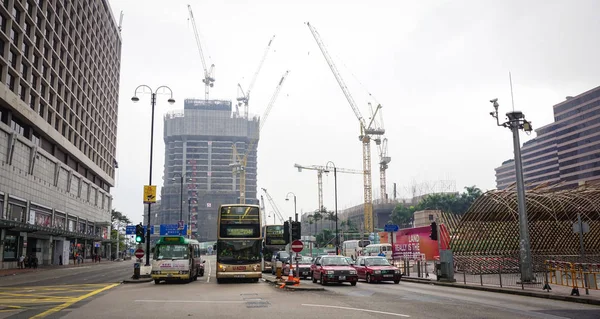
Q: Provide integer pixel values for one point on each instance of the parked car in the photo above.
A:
(333, 268)
(375, 269)
(304, 266)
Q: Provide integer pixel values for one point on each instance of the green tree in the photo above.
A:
(118, 221)
(402, 215)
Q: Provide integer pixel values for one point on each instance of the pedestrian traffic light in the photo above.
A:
(296, 230)
(434, 231)
(286, 232)
(139, 234)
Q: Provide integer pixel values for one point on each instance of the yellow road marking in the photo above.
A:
(30, 295)
(5, 301)
(11, 308)
(71, 302)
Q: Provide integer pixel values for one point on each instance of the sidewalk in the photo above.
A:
(556, 293)
(17, 271)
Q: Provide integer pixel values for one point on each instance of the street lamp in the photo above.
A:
(274, 222)
(337, 238)
(153, 104)
(517, 121)
(287, 199)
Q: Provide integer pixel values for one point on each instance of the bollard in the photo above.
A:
(136, 271)
(278, 269)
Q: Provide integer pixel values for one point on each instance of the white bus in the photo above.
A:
(354, 248)
(376, 249)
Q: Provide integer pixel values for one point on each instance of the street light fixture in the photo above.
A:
(287, 199)
(516, 121)
(337, 238)
(153, 104)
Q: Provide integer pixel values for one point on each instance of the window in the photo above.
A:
(12, 59)
(41, 110)
(22, 92)
(10, 81)
(13, 35)
(25, 49)
(24, 69)
(10, 247)
(16, 14)
(3, 22)
(15, 212)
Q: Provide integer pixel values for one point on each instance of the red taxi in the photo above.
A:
(374, 269)
(333, 268)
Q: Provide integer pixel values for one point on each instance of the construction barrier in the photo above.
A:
(575, 275)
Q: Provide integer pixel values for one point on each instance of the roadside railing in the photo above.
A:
(574, 275)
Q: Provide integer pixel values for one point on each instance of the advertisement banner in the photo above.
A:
(414, 243)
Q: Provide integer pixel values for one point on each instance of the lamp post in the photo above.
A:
(517, 121)
(153, 104)
(287, 199)
(274, 222)
(337, 238)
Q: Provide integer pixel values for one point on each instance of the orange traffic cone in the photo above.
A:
(291, 274)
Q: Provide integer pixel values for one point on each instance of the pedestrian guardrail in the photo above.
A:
(575, 275)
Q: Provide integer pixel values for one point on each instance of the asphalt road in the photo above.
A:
(207, 299)
(44, 292)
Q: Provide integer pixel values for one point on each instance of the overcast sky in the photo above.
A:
(432, 65)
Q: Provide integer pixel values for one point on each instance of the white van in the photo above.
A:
(376, 249)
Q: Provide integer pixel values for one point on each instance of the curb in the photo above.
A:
(506, 291)
(294, 288)
(137, 281)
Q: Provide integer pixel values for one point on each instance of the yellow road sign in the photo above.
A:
(149, 194)
(189, 231)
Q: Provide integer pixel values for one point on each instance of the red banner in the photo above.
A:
(414, 243)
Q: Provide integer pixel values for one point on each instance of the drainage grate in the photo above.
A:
(257, 304)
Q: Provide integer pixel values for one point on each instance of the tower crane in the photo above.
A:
(320, 170)
(243, 98)
(239, 162)
(274, 206)
(384, 160)
(208, 73)
(368, 131)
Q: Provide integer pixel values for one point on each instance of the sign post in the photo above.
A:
(390, 228)
(297, 247)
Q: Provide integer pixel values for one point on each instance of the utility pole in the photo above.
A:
(516, 121)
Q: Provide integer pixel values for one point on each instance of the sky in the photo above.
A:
(432, 65)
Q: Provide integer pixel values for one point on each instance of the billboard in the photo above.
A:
(414, 243)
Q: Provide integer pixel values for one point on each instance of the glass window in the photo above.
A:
(1, 202)
(239, 251)
(15, 213)
(171, 252)
(10, 247)
(377, 261)
(334, 261)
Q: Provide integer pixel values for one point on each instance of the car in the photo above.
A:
(333, 268)
(282, 256)
(375, 269)
(303, 264)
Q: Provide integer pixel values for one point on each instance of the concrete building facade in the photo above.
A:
(566, 151)
(199, 146)
(59, 68)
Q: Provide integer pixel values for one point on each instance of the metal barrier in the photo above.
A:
(575, 275)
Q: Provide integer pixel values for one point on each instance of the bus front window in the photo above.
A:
(171, 252)
(239, 252)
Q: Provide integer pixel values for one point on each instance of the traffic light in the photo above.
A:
(286, 232)
(296, 230)
(139, 234)
(434, 232)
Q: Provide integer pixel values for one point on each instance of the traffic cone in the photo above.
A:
(291, 274)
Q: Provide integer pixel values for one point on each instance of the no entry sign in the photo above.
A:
(297, 246)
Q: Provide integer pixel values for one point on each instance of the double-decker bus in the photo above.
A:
(239, 242)
(274, 242)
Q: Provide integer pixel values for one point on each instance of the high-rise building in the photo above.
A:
(59, 68)
(566, 151)
(199, 146)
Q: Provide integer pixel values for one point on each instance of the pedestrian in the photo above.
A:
(20, 264)
(60, 260)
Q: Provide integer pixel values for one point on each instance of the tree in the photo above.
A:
(118, 219)
(402, 215)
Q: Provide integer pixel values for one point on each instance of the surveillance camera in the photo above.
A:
(494, 100)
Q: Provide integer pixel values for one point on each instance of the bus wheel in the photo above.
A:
(219, 280)
(156, 281)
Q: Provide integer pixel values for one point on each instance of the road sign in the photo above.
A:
(172, 230)
(180, 225)
(586, 227)
(390, 228)
(130, 229)
(297, 246)
(139, 253)
(149, 194)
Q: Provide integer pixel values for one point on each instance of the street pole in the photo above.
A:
(337, 238)
(295, 212)
(181, 203)
(189, 218)
(152, 103)
(587, 291)
(517, 121)
(117, 240)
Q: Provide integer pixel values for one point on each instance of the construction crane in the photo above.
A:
(368, 132)
(274, 206)
(384, 160)
(243, 98)
(323, 169)
(239, 162)
(208, 73)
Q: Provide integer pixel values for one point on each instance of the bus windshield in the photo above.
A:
(171, 252)
(239, 252)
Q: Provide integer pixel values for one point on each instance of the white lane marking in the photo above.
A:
(193, 301)
(209, 270)
(358, 309)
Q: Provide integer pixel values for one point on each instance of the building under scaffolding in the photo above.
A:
(489, 229)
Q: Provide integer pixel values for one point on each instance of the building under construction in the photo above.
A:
(199, 146)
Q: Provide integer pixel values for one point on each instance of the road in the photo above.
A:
(30, 294)
(205, 298)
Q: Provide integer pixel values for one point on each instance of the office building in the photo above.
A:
(199, 146)
(566, 151)
(59, 68)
